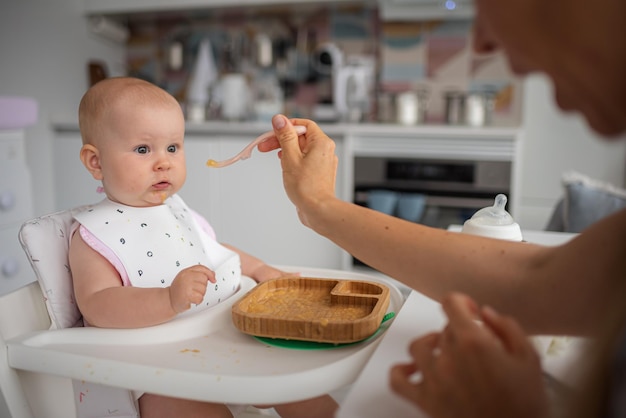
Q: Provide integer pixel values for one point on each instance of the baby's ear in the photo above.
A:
(90, 156)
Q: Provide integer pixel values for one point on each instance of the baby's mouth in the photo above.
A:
(161, 185)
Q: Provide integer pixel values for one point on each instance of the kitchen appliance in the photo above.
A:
(352, 85)
(352, 79)
(327, 58)
(453, 189)
(202, 77)
(325, 61)
(235, 96)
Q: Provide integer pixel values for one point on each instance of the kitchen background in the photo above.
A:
(46, 48)
(280, 53)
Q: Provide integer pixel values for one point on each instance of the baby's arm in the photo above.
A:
(256, 268)
(105, 302)
(250, 265)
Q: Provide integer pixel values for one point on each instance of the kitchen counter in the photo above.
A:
(336, 129)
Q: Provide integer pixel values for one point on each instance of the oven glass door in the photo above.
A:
(427, 209)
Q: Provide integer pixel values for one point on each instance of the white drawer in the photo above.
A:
(12, 146)
(15, 193)
(15, 269)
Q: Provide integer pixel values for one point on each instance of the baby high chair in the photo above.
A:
(201, 356)
(49, 304)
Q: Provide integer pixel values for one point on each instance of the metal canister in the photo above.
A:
(455, 108)
(479, 108)
(411, 107)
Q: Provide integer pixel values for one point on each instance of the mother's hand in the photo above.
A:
(472, 368)
(308, 161)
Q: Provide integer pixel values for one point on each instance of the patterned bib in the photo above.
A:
(155, 243)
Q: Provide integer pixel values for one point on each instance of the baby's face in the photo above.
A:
(142, 155)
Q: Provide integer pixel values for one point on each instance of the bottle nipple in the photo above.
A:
(494, 221)
(496, 214)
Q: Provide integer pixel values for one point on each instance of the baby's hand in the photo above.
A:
(189, 286)
(266, 272)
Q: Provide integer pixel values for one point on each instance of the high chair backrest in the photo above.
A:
(36, 307)
(48, 304)
(46, 242)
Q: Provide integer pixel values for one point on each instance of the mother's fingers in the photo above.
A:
(407, 379)
(401, 379)
(462, 312)
(477, 326)
(287, 137)
(424, 350)
(508, 331)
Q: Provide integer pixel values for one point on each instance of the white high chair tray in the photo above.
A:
(201, 356)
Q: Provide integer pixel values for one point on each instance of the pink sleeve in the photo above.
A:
(105, 252)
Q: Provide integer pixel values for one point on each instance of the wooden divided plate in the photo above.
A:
(312, 309)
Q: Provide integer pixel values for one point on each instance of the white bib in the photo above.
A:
(155, 243)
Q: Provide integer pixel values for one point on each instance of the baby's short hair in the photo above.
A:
(103, 97)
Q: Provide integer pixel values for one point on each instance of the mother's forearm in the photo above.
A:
(430, 260)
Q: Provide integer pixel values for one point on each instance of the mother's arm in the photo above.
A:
(561, 289)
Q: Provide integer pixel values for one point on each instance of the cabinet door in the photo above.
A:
(247, 206)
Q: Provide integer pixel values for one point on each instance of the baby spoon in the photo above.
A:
(247, 151)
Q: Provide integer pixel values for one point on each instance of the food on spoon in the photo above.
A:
(247, 151)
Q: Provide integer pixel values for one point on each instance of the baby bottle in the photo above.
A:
(494, 221)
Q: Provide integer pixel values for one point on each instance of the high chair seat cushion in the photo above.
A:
(46, 242)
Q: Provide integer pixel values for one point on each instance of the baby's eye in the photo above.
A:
(172, 148)
(142, 149)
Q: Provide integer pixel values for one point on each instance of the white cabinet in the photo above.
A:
(15, 207)
(247, 205)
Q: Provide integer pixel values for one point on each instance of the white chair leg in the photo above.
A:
(11, 388)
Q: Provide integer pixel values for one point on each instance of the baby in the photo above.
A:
(141, 256)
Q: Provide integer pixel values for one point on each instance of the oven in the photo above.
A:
(433, 192)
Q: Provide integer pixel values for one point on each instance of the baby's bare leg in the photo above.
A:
(155, 406)
(320, 407)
